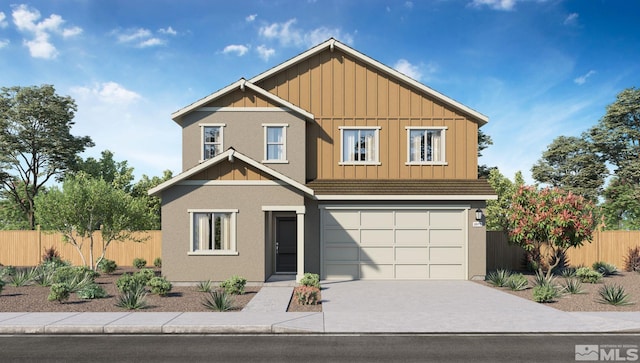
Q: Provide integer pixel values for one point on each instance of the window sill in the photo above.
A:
(275, 161)
(213, 253)
(360, 163)
(427, 163)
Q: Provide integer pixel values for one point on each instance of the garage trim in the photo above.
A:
(396, 207)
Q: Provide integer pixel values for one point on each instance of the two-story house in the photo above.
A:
(331, 163)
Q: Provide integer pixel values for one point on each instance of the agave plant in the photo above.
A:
(573, 286)
(218, 300)
(204, 286)
(614, 295)
(498, 278)
(133, 299)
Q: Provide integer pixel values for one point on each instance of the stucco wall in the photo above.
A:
(477, 244)
(250, 230)
(245, 133)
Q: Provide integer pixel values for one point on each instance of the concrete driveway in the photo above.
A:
(448, 306)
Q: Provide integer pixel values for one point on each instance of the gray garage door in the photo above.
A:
(394, 243)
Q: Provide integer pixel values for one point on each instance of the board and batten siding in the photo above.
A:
(340, 90)
(231, 171)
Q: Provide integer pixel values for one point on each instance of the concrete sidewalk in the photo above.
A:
(348, 307)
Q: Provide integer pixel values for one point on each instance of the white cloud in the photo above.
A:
(168, 31)
(322, 33)
(4, 43)
(504, 5)
(288, 35)
(403, 66)
(251, 18)
(132, 35)
(583, 79)
(408, 4)
(571, 19)
(3, 23)
(141, 37)
(108, 92)
(265, 52)
(238, 49)
(151, 42)
(40, 46)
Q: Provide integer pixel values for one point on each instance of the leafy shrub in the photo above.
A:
(604, 268)
(92, 291)
(310, 279)
(50, 254)
(133, 298)
(157, 262)
(139, 263)
(159, 285)
(107, 266)
(59, 292)
(568, 272)
(23, 277)
(204, 286)
(76, 277)
(234, 285)
(541, 279)
(498, 278)
(307, 295)
(1, 285)
(218, 300)
(128, 282)
(614, 295)
(517, 282)
(588, 275)
(7, 271)
(573, 286)
(145, 274)
(632, 261)
(545, 293)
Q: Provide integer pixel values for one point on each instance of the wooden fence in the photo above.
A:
(25, 248)
(608, 246)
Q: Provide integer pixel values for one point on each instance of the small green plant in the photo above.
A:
(573, 285)
(139, 263)
(107, 266)
(157, 262)
(46, 271)
(76, 277)
(218, 300)
(545, 293)
(50, 254)
(23, 277)
(632, 260)
(7, 271)
(129, 282)
(145, 274)
(498, 277)
(92, 291)
(604, 268)
(234, 285)
(517, 282)
(541, 279)
(614, 295)
(587, 275)
(310, 279)
(159, 285)
(59, 292)
(204, 286)
(568, 272)
(307, 295)
(133, 299)
(1, 285)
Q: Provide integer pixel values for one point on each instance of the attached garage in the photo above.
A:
(394, 242)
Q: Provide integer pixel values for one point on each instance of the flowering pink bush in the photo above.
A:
(550, 217)
(307, 295)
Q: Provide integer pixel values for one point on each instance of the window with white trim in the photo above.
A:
(360, 145)
(213, 232)
(426, 145)
(275, 143)
(212, 137)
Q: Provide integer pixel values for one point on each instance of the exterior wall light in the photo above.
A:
(478, 214)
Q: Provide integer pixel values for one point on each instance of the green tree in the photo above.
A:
(118, 173)
(621, 207)
(552, 218)
(36, 144)
(484, 141)
(569, 163)
(84, 205)
(139, 191)
(497, 210)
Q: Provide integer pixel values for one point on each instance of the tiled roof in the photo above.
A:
(401, 187)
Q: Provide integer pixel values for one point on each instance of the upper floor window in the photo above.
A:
(212, 140)
(426, 145)
(275, 143)
(213, 231)
(360, 145)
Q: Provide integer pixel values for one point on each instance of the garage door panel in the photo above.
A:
(446, 272)
(412, 219)
(341, 253)
(446, 219)
(345, 219)
(412, 272)
(412, 255)
(342, 271)
(374, 237)
(446, 255)
(446, 237)
(341, 235)
(376, 271)
(376, 254)
(409, 237)
(376, 219)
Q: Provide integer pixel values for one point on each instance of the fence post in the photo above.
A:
(39, 244)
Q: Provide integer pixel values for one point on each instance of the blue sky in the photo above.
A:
(539, 69)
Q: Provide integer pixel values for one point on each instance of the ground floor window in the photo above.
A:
(213, 232)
